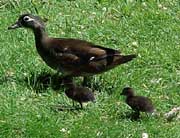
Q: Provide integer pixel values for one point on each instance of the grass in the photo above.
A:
(149, 29)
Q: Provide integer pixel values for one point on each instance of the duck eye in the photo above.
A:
(26, 18)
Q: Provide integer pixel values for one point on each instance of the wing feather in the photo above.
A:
(79, 52)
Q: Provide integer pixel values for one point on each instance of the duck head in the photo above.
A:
(127, 91)
(28, 21)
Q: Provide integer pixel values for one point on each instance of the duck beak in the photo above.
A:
(14, 26)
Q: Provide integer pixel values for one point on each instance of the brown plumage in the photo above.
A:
(72, 57)
(79, 94)
(137, 103)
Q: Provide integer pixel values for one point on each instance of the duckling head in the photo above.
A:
(127, 91)
(28, 21)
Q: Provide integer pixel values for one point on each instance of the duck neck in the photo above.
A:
(40, 35)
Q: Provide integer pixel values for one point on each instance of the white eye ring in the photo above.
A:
(27, 19)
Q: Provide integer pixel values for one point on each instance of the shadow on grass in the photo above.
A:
(43, 81)
(40, 82)
(58, 108)
(101, 85)
(130, 115)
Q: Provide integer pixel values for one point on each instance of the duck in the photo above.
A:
(71, 57)
(137, 103)
(78, 93)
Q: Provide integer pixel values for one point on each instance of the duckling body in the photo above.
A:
(140, 103)
(72, 57)
(137, 103)
(79, 94)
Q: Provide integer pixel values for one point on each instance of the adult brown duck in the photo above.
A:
(71, 57)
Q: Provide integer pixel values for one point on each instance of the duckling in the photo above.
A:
(71, 57)
(79, 94)
(137, 103)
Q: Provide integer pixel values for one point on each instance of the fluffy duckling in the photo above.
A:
(79, 94)
(137, 103)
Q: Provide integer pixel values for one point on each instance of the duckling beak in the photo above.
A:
(14, 26)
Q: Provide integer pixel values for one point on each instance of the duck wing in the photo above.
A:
(79, 52)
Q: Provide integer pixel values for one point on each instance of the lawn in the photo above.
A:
(29, 105)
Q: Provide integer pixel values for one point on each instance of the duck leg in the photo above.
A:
(67, 80)
(73, 103)
(86, 81)
(81, 105)
(58, 81)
